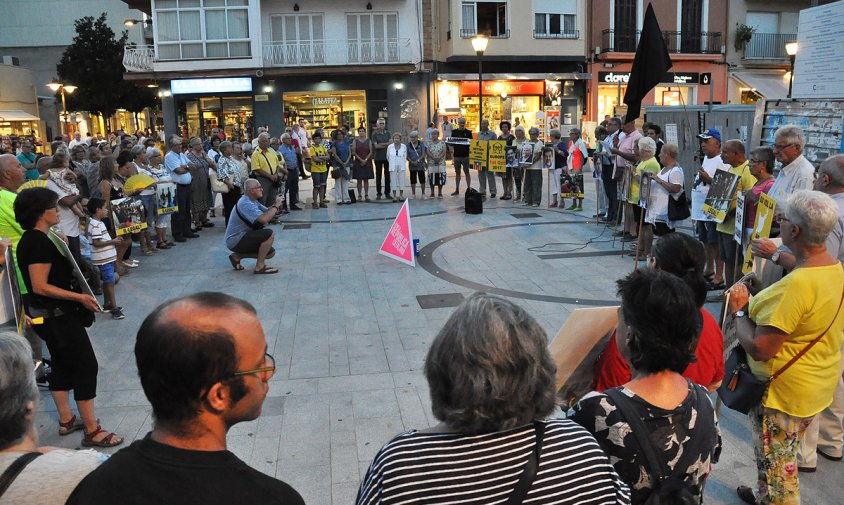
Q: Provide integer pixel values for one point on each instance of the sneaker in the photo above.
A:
(578, 209)
(117, 313)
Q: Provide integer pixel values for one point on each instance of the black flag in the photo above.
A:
(649, 66)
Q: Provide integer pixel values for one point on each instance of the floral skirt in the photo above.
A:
(776, 439)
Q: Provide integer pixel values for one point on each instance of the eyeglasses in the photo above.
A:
(264, 373)
(780, 147)
(754, 160)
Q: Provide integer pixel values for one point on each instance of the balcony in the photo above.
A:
(337, 53)
(468, 33)
(676, 42)
(768, 46)
(574, 34)
(138, 58)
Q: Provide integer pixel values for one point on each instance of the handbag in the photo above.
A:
(335, 173)
(742, 391)
(217, 186)
(678, 209)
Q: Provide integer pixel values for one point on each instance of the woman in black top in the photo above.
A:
(49, 278)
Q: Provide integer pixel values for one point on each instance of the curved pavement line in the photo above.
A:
(426, 261)
(424, 214)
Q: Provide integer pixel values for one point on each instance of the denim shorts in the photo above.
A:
(107, 273)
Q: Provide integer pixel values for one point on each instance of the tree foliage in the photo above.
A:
(94, 63)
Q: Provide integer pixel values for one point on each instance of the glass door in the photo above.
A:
(238, 118)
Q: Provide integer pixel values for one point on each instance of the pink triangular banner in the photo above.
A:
(399, 241)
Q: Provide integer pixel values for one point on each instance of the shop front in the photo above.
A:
(326, 109)
(204, 104)
(19, 124)
(678, 88)
(546, 104)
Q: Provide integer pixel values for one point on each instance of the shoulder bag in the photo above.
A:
(669, 488)
(678, 209)
(15, 469)
(741, 391)
(256, 225)
(529, 473)
(217, 186)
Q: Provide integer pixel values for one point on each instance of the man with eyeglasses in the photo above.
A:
(797, 172)
(204, 367)
(179, 168)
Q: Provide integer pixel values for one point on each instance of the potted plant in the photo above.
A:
(743, 35)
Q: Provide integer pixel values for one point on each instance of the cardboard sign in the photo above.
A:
(740, 210)
(576, 347)
(165, 194)
(720, 196)
(497, 155)
(761, 227)
(399, 241)
(129, 215)
(477, 153)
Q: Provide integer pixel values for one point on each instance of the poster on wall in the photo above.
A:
(541, 125)
(477, 153)
(671, 134)
(552, 121)
(497, 155)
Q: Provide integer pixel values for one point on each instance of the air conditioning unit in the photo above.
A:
(11, 60)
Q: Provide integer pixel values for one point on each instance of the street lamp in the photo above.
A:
(479, 44)
(56, 86)
(791, 49)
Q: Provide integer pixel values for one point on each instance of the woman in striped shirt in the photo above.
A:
(492, 388)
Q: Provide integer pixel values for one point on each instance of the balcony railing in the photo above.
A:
(337, 52)
(138, 58)
(768, 46)
(468, 33)
(574, 34)
(676, 42)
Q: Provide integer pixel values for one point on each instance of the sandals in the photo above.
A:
(235, 263)
(110, 440)
(266, 270)
(745, 494)
(70, 426)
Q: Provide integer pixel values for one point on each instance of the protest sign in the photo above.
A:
(761, 227)
(645, 189)
(720, 195)
(740, 209)
(512, 156)
(11, 291)
(399, 240)
(526, 153)
(477, 153)
(497, 155)
(165, 194)
(576, 347)
(129, 215)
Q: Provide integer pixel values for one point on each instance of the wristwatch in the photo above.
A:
(776, 256)
(738, 314)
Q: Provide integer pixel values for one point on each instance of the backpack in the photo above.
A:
(669, 487)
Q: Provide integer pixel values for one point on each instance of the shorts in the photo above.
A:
(319, 179)
(707, 232)
(253, 239)
(727, 248)
(107, 273)
(661, 229)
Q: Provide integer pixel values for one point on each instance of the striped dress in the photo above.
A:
(443, 468)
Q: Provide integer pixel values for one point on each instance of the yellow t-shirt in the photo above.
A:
(265, 161)
(318, 166)
(651, 166)
(746, 181)
(802, 305)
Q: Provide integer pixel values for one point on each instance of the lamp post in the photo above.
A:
(791, 49)
(479, 44)
(57, 87)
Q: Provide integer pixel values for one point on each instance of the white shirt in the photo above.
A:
(68, 221)
(73, 143)
(700, 190)
(397, 157)
(658, 204)
(302, 136)
(799, 174)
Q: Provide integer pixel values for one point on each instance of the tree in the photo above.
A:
(94, 63)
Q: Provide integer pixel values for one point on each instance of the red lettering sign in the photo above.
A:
(399, 242)
(492, 88)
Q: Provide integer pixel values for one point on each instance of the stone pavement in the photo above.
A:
(350, 337)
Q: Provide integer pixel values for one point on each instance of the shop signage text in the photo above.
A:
(325, 100)
(216, 85)
(672, 77)
(492, 88)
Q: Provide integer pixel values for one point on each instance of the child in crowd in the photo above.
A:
(104, 254)
(63, 177)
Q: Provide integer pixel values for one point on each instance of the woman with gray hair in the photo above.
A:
(645, 148)
(492, 386)
(147, 195)
(668, 183)
(60, 469)
(161, 175)
(798, 323)
(199, 185)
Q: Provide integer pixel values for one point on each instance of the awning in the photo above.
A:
(768, 83)
(17, 115)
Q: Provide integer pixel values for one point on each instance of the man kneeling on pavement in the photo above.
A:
(246, 233)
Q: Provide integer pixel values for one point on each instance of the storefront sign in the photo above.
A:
(492, 88)
(216, 85)
(325, 100)
(670, 77)
(262, 98)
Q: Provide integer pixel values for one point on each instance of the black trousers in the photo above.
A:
(382, 167)
(180, 222)
(229, 201)
(292, 186)
(611, 189)
(72, 357)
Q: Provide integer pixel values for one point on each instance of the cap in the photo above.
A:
(710, 133)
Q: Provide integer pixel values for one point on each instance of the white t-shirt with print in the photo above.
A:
(700, 190)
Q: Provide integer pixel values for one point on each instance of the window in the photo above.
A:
(487, 18)
(194, 29)
(555, 26)
(373, 37)
(624, 32)
(297, 39)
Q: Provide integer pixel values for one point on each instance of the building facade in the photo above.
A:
(695, 35)
(238, 64)
(533, 69)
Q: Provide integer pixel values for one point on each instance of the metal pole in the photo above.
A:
(64, 111)
(791, 76)
(480, 89)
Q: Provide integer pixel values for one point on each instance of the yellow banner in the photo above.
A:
(497, 155)
(131, 229)
(478, 153)
(761, 227)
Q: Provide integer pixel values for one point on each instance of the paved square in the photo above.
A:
(350, 338)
